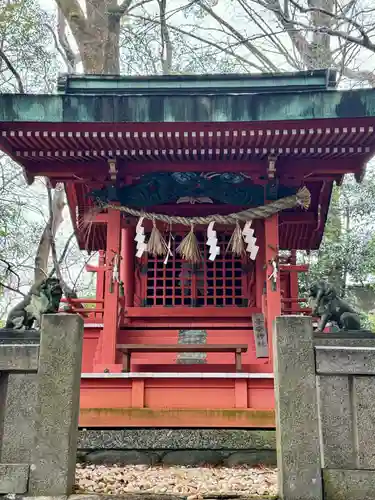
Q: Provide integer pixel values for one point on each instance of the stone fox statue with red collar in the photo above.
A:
(331, 308)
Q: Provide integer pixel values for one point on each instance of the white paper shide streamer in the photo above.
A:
(250, 240)
(214, 249)
(140, 238)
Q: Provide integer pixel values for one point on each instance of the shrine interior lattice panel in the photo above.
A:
(221, 283)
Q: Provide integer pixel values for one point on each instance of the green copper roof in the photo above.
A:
(188, 84)
(319, 104)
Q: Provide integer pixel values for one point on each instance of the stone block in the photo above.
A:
(349, 484)
(173, 439)
(254, 457)
(3, 395)
(192, 458)
(364, 404)
(336, 417)
(121, 457)
(57, 404)
(297, 419)
(9, 336)
(13, 478)
(354, 360)
(19, 357)
(19, 418)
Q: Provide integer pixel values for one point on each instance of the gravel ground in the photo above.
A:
(195, 483)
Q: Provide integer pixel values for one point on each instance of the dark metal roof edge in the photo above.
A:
(205, 76)
(328, 76)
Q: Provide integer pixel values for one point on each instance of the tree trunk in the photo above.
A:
(320, 45)
(44, 247)
(97, 33)
(99, 45)
(166, 53)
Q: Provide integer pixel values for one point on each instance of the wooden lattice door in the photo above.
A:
(229, 281)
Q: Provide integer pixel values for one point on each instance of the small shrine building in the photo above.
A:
(196, 191)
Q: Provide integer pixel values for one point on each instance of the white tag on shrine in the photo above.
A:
(140, 238)
(214, 252)
(214, 249)
(247, 231)
(141, 248)
(250, 243)
(210, 230)
(139, 228)
(254, 252)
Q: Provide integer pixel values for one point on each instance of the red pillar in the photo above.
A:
(127, 264)
(100, 281)
(260, 272)
(293, 277)
(273, 296)
(107, 350)
(100, 276)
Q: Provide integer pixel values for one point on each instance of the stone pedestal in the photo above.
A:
(53, 458)
(297, 428)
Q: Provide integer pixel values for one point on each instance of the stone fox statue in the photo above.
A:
(44, 297)
(330, 307)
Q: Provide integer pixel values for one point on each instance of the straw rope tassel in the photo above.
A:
(189, 248)
(236, 243)
(156, 244)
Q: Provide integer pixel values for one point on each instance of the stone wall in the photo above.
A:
(325, 409)
(39, 407)
(193, 447)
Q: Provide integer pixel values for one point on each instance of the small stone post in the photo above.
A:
(297, 417)
(53, 458)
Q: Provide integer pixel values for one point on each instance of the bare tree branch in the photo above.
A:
(13, 70)
(10, 269)
(63, 254)
(59, 50)
(330, 14)
(123, 8)
(210, 43)
(166, 43)
(44, 247)
(8, 287)
(71, 57)
(251, 47)
(138, 4)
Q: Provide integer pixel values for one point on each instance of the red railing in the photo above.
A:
(291, 305)
(78, 306)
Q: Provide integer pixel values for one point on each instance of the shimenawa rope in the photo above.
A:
(301, 198)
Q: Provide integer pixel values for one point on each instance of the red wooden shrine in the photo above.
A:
(97, 130)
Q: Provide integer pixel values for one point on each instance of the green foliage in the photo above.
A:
(347, 252)
(28, 44)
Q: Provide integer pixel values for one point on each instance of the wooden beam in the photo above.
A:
(190, 312)
(298, 218)
(97, 170)
(302, 268)
(92, 168)
(107, 416)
